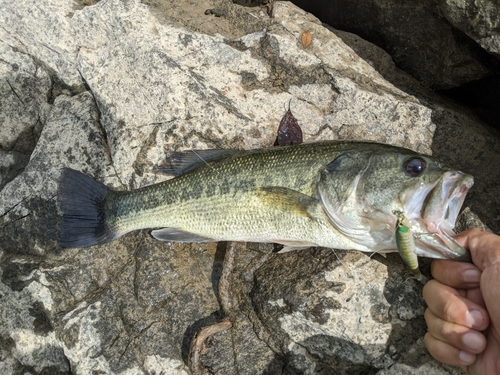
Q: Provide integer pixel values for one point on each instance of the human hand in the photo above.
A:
(463, 314)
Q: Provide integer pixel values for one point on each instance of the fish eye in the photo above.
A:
(414, 167)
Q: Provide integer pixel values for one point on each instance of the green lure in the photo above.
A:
(406, 247)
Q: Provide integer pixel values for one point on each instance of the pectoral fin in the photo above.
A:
(178, 235)
(287, 200)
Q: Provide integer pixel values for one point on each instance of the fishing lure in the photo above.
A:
(406, 247)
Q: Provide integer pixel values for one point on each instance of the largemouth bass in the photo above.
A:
(336, 194)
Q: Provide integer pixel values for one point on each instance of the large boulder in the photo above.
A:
(433, 40)
(113, 87)
(479, 20)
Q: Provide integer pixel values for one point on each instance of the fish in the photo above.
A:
(334, 194)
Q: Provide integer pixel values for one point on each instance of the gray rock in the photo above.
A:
(111, 88)
(25, 91)
(420, 40)
(27, 334)
(45, 34)
(480, 20)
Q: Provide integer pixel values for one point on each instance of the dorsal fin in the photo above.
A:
(187, 161)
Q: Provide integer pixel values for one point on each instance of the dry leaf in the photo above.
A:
(306, 39)
(289, 131)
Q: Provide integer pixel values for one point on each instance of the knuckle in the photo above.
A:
(429, 319)
(433, 346)
(429, 289)
(435, 268)
(449, 310)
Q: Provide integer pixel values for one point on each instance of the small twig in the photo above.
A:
(196, 348)
(225, 295)
(226, 301)
(336, 255)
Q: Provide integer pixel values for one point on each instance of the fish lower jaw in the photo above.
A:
(432, 227)
(439, 227)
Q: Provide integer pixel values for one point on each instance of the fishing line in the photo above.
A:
(204, 161)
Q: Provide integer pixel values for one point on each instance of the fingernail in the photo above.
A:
(466, 358)
(474, 318)
(473, 340)
(472, 276)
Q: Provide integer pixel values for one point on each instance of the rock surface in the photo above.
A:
(425, 39)
(480, 20)
(111, 88)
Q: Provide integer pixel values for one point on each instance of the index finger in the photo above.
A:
(484, 247)
(456, 274)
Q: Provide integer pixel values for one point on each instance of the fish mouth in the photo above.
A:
(439, 213)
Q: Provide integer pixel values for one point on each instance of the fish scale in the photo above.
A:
(167, 203)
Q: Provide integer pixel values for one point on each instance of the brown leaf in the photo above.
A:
(306, 39)
(289, 131)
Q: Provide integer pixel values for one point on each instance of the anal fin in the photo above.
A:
(178, 235)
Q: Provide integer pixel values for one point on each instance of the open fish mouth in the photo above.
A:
(434, 230)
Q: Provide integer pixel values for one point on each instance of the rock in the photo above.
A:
(111, 88)
(25, 90)
(317, 314)
(330, 311)
(479, 20)
(27, 334)
(419, 39)
(46, 35)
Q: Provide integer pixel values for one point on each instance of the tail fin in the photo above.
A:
(82, 202)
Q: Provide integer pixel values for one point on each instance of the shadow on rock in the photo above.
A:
(28, 235)
(405, 314)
